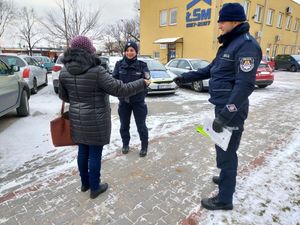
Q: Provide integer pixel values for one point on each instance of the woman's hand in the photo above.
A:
(147, 82)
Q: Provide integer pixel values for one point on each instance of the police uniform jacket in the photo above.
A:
(86, 86)
(232, 73)
(128, 72)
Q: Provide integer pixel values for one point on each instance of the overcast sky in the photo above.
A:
(112, 11)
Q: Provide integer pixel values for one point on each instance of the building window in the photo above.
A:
(288, 22)
(258, 14)
(283, 49)
(274, 52)
(296, 27)
(173, 16)
(163, 18)
(270, 17)
(156, 55)
(279, 21)
(246, 7)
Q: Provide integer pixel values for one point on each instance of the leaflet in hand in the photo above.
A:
(221, 139)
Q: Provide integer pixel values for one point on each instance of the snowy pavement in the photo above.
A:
(32, 171)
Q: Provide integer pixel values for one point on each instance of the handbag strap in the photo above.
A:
(62, 108)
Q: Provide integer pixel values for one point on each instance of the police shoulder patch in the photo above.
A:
(247, 64)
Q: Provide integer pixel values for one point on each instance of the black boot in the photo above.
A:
(125, 149)
(216, 179)
(214, 204)
(84, 188)
(143, 152)
(103, 187)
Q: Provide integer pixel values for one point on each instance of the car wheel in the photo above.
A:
(23, 109)
(262, 86)
(34, 90)
(197, 86)
(293, 68)
(56, 90)
(46, 80)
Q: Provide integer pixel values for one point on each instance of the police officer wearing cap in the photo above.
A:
(232, 80)
(130, 69)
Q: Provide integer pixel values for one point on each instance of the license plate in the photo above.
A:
(163, 86)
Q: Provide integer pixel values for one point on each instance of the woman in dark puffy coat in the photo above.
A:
(86, 86)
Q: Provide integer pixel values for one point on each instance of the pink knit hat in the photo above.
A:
(82, 42)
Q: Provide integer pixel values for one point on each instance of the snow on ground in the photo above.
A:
(26, 143)
(270, 195)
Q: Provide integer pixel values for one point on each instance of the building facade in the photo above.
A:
(188, 28)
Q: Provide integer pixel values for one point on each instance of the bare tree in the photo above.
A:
(109, 44)
(72, 18)
(123, 31)
(27, 28)
(7, 14)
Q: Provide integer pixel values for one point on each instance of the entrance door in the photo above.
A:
(171, 51)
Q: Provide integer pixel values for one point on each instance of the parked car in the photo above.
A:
(56, 71)
(269, 60)
(59, 65)
(14, 91)
(111, 61)
(161, 78)
(32, 72)
(264, 75)
(287, 62)
(183, 65)
(45, 62)
(104, 62)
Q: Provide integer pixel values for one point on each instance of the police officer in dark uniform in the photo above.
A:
(232, 80)
(130, 69)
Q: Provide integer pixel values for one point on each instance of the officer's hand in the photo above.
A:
(179, 80)
(217, 125)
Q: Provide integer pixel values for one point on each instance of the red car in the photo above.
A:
(270, 61)
(264, 75)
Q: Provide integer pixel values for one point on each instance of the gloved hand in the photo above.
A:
(218, 125)
(179, 80)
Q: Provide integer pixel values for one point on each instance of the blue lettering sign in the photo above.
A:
(198, 17)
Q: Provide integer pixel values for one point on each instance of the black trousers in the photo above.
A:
(140, 111)
(227, 161)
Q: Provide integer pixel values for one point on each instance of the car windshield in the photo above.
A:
(297, 57)
(103, 59)
(154, 65)
(12, 60)
(39, 59)
(59, 59)
(197, 64)
(160, 75)
(263, 65)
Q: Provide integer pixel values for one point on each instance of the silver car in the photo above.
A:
(14, 91)
(32, 72)
(111, 61)
(56, 71)
(183, 65)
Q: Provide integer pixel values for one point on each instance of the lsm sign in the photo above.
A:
(198, 17)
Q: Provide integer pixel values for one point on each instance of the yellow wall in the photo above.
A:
(201, 42)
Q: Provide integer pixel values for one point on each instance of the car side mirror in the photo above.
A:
(14, 68)
(188, 67)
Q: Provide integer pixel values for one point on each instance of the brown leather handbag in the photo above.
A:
(60, 129)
